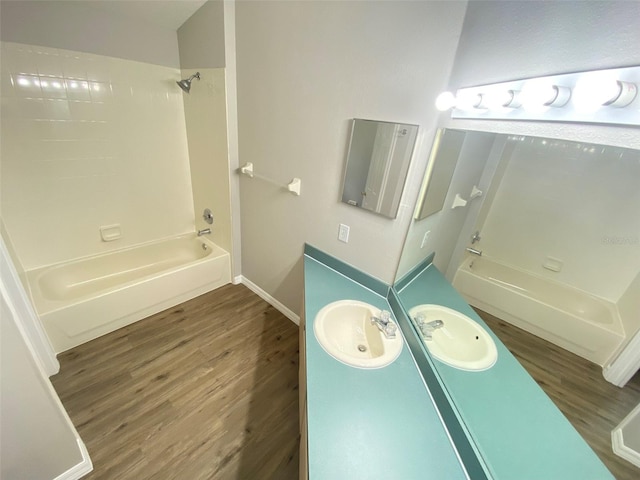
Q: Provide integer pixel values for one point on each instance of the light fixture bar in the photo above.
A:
(600, 96)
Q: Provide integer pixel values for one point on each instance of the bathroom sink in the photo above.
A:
(345, 331)
(458, 340)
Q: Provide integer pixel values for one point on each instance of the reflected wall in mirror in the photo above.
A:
(377, 164)
(442, 163)
(473, 157)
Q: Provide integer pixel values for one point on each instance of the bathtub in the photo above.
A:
(570, 318)
(84, 299)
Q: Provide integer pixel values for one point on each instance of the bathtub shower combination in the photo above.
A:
(586, 325)
(84, 299)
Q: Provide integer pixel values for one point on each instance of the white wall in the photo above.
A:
(305, 69)
(84, 27)
(90, 140)
(38, 439)
(511, 39)
(201, 37)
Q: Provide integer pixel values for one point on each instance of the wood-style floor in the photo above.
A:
(209, 390)
(205, 390)
(593, 405)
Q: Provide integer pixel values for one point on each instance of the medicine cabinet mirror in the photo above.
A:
(377, 164)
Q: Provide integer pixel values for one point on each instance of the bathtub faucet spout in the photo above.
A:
(205, 231)
(474, 251)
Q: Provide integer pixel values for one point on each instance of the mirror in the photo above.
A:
(442, 163)
(555, 214)
(377, 164)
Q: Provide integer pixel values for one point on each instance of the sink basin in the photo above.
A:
(344, 330)
(460, 342)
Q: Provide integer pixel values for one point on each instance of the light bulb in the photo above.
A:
(445, 101)
(535, 95)
(593, 90)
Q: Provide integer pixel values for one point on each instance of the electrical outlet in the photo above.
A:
(343, 233)
(424, 239)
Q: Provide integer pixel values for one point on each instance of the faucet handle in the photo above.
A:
(385, 315)
(390, 330)
(426, 333)
(420, 319)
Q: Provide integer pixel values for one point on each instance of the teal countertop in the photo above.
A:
(368, 424)
(518, 430)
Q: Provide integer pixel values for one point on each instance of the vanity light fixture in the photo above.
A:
(601, 96)
(603, 89)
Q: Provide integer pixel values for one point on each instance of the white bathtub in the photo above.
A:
(81, 300)
(570, 318)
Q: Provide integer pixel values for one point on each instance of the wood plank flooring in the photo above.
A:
(205, 390)
(593, 405)
(209, 390)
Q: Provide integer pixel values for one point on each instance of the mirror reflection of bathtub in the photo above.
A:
(575, 320)
(556, 223)
(84, 299)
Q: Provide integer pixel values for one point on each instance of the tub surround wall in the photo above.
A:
(206, 120)
(324, 64)
(207, 43)
(87, 141)
(577, 203)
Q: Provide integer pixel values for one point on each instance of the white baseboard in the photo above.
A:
(81, 469)
(268, 298)
(617, 439)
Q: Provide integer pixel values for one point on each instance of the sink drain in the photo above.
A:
(362, 348)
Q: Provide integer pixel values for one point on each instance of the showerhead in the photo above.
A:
(186, 84)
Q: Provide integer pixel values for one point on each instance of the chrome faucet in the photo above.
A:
(204, 231)
(384, 324)
(474, 251)
(427, 328)
(475, 237)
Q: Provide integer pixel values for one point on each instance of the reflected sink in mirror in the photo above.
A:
(454, 338)
(345, 331)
